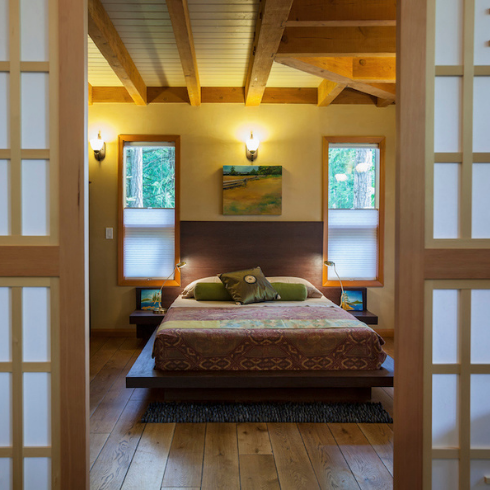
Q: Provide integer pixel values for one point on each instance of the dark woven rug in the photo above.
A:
(367, 413)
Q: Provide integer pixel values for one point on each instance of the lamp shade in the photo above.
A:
(252, 143)
(97, 143)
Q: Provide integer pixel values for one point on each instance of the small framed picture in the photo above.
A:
(147, 298)
(355, 299)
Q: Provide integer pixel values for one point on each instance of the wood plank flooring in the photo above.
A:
(129, 455)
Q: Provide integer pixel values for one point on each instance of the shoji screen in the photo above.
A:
(31, 246)
(457, 222)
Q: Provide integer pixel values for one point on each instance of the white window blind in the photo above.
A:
(149, 243)
(149, 200)
(353, 243)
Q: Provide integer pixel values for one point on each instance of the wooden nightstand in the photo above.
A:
(365, 316)
(146, 321)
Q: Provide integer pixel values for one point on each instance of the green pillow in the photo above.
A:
(290, 292)
(211, 291)
(248, 286)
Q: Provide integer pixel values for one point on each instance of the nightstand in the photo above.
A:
(365, 316)
(146, 321)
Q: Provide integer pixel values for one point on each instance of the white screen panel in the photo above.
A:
(4, 197)
(447, 114)
(482, 28)
(480, 326)
(353, 243)
(34, 112)
(481, 113)
(34, 38)
(4, 31)
(449, 32)
(445, 326)
(35, 197)
(480, 411)
(6, 482)
(446, 199)
(5, 112)
(5, 410)
(37, 473)
(480, 217)
(445, 409)
(37, 409)
(445, 474)
(5, 326)
(149, 242)
(480, 468)
(36, 324)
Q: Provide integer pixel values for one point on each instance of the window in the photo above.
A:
(148, 210)
(354, 210)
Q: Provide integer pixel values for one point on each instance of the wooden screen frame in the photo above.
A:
(123, 138)
(381, 142)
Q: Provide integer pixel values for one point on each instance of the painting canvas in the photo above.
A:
(252, 190)
(354, 300)
(150, 298)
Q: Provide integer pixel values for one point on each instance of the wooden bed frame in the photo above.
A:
(281, 249)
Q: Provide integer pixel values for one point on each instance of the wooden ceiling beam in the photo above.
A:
(268, 33)
(181, 25)
(327, 69)
(310, 13)
(106, 38)
(375, 70)
(328, 91)
(337, 41)
(90, 95)
(227, 95)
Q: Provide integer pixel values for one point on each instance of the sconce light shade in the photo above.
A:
(98, 145)
(252, 146)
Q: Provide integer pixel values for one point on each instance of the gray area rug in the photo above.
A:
(366, 413)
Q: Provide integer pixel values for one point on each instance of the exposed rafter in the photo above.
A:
(90, 95)
(268, 32)
(340, 71)
(231, 95)
(104, 35)
(181, 24)
(313, 13)
(337, 41)
(328, 91)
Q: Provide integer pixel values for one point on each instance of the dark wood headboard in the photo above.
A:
(280, 248)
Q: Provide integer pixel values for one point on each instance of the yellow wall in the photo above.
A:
(213, 135)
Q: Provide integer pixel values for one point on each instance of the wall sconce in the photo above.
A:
(252, 147)
(98, 145)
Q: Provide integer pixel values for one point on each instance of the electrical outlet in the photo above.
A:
(109, 233)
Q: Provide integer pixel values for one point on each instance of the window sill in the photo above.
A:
(354, 284)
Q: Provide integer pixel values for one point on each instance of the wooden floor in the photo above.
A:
(127, 454)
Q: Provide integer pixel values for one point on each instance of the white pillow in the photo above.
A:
(313, 292)
(188, 291)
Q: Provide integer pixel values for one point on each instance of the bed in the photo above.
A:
(275, 344)
(286, 248)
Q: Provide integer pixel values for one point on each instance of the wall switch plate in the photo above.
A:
(109, 233)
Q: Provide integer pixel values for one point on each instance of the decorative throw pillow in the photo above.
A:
(188, 291)
(248, 286)
(313, 292)
(211, 291)
(290, 292)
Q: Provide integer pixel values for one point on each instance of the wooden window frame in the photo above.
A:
(381, 142)
(127, 138)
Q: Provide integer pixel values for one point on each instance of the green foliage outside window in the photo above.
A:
(150, 177)
(351, 178)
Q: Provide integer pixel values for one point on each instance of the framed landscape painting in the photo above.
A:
(147, 298)
(355, 299)
(252, 190)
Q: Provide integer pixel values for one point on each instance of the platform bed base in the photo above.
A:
(144, 375)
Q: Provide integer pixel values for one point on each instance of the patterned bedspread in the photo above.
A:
(265, 339)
